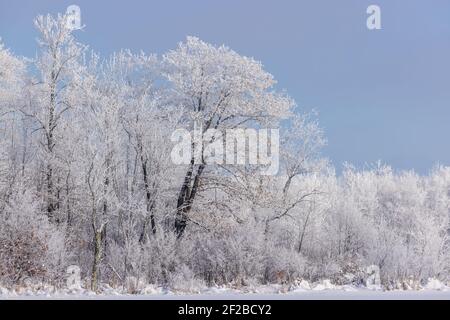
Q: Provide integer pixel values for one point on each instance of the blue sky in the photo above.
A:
(381, 95)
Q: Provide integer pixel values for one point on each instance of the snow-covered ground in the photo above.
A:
(312, 295)
(324, 290)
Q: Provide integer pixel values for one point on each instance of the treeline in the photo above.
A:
(86, 179)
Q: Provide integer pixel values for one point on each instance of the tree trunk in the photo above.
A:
(98, 251)
(50, 145)
(150, 218)
(186, 198)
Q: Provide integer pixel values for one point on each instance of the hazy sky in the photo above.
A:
(381, 95)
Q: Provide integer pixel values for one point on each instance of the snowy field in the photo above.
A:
(323, 295)
(274, 292)
(312, 295)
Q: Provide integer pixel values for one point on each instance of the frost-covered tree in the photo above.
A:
(12, 140)
(217, 89)
(52, 98)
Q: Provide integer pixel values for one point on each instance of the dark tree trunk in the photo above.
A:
(150, 218)
(186, 198)
(97, 258)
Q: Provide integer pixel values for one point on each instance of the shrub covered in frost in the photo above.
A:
(30, 247)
